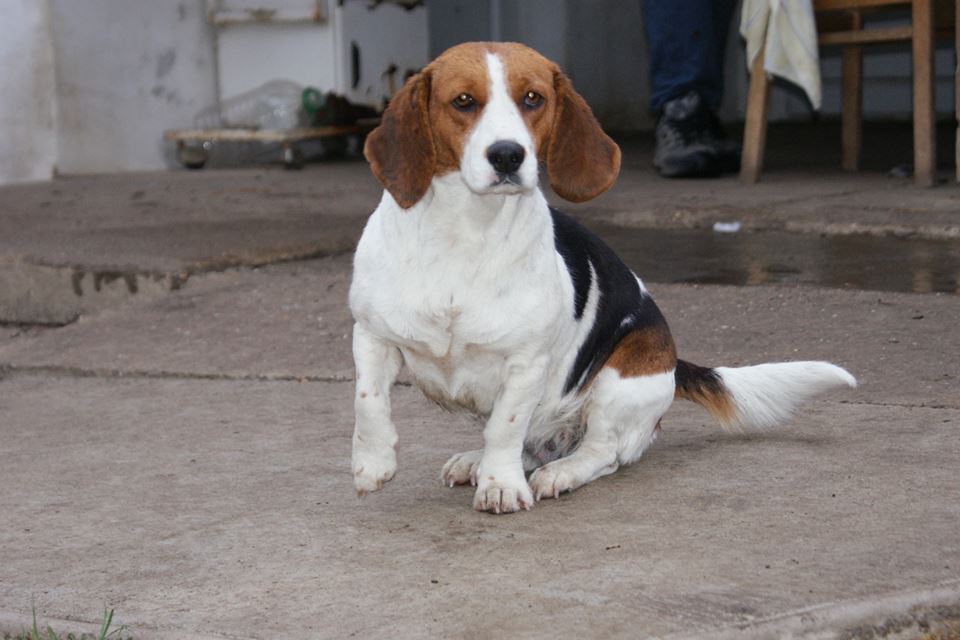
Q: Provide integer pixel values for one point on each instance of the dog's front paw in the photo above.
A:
(504, 495)
(372, 467)
(461, 468)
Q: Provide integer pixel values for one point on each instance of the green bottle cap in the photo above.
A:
(312, 100)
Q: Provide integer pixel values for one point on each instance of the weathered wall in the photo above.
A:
(541, 24)
(28, 143)
(125, 72)
(90, 86)
(319, 55)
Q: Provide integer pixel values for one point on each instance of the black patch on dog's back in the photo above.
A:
(567, 237)
(621, 307)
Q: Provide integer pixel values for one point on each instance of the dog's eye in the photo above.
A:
(532, 100)
(464, 102)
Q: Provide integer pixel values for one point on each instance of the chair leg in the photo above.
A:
(956, 83)
(755, 127)
(852, 105)
(924, 132)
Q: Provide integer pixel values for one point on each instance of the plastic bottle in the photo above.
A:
(277, 104)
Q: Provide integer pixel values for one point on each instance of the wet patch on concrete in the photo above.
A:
(745, 258)
(49, 294)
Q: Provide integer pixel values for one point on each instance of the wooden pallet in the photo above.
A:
(193, 144)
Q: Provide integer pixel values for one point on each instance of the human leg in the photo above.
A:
(686, 40)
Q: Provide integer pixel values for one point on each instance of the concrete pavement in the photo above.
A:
(82, 244)
(179, 451)
(185, 460)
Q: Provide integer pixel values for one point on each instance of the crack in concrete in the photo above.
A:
(892, 615)
(80, 372)
(145, 374)
(903, 405)
(192, 268)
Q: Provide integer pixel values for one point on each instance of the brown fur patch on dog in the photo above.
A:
(582, 160)
(644, 351)
(400, 151)
(462, 69)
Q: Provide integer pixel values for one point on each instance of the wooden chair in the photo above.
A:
(840, 22)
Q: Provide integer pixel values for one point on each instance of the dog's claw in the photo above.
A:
(460, 468)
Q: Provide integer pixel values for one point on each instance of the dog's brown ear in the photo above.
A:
(582, 161)
(400, 151)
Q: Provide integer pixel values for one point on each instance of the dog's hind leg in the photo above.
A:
(622, 417)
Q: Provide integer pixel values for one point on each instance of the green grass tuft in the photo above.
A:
(105, 633)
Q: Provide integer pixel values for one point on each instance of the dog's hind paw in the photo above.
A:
(552, 479)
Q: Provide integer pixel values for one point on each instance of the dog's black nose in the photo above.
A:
(506, 157)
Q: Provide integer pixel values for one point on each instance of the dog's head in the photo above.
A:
(491, 111)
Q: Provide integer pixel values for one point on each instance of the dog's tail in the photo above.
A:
(759, 396)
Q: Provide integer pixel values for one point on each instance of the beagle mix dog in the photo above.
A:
(501, 305)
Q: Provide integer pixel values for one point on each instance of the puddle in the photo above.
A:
(769, 257)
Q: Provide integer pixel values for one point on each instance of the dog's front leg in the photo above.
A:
(501, 484)
(374, 436)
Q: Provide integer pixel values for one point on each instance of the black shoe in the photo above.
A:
(727, 150)
(690, 141)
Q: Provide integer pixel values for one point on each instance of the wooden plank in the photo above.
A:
(267, 135)
(866, 36)
(755, 127)
(219, 16)
(852, 101)
(924, 119)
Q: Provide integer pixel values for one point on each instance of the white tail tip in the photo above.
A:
(767, 394)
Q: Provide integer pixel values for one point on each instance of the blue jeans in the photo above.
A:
(686, 39)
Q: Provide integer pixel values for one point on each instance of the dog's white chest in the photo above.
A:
(456, 343)
(457, 306)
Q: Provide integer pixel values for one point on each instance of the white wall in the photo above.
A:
(386, 36)
(126, 70)
(89, 86)
(319, 55)
(28, 144)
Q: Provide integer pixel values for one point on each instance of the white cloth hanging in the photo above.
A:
(787, 32)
